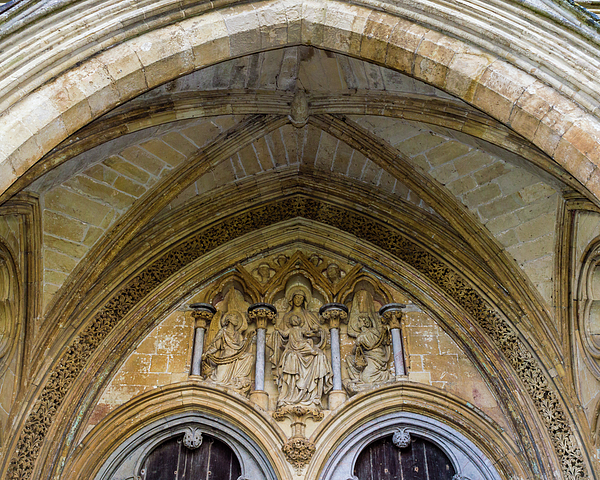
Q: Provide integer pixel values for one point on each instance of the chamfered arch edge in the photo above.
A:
(514, 108)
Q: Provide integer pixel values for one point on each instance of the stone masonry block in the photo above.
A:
(273, 23)
(464, 72)
(403, 44)
(101, 173)
(129, 187)
(127, 169)
(420, 143)
(472, 162)
(573, 160)
(165, 53)
(525, 252)
(179, 143)
(95, 84)
(540, 207)
(243, 28)
(64, 227)
(75, 250)
(535, 192)
(201, 134)
(482, 195)
(462, 185)
(208, 36)
(493, 171)
(100, 191)
(537, 227)
(377, 31)
(446, 152)
(58, 261)
(124, 66)
(500, 206)
(149, 157)
(77, 206)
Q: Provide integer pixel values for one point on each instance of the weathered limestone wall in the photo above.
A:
(80, 206)
(302, 67)
(517, 206)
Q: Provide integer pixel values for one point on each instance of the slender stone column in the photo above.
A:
(333, 313)
(261, 313)
(391, 315)
(203, 313)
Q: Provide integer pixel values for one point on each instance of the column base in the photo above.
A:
(336, 399)
(260, 398)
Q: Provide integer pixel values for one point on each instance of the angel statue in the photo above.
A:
(228, 360)
(371, 353)
(303, 373)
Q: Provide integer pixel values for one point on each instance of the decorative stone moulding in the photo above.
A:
(334, 313)
(203, 313)
(262, 313)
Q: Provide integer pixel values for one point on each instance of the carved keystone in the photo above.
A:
(333, 313)
(401, 438)
(262, 313)
(299, 109)
(391, 314)
(203, 313)
(192, 439)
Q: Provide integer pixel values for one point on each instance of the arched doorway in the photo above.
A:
(402, 457)
(189, 456)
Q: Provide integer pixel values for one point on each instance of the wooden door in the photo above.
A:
(171, 460)
(421, 460)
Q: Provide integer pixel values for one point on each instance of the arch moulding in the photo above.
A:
(551, 120)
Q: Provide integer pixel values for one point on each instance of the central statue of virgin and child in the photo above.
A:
(302, 371)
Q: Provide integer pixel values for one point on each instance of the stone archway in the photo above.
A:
(550, 120)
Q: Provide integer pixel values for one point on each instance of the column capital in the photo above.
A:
(262, 314)
(391, 314)
(203, 313)
(333, 313)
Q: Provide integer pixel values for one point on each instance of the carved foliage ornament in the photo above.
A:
(74, 359)
(192, 438)
(401, 438)
(298, 451)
